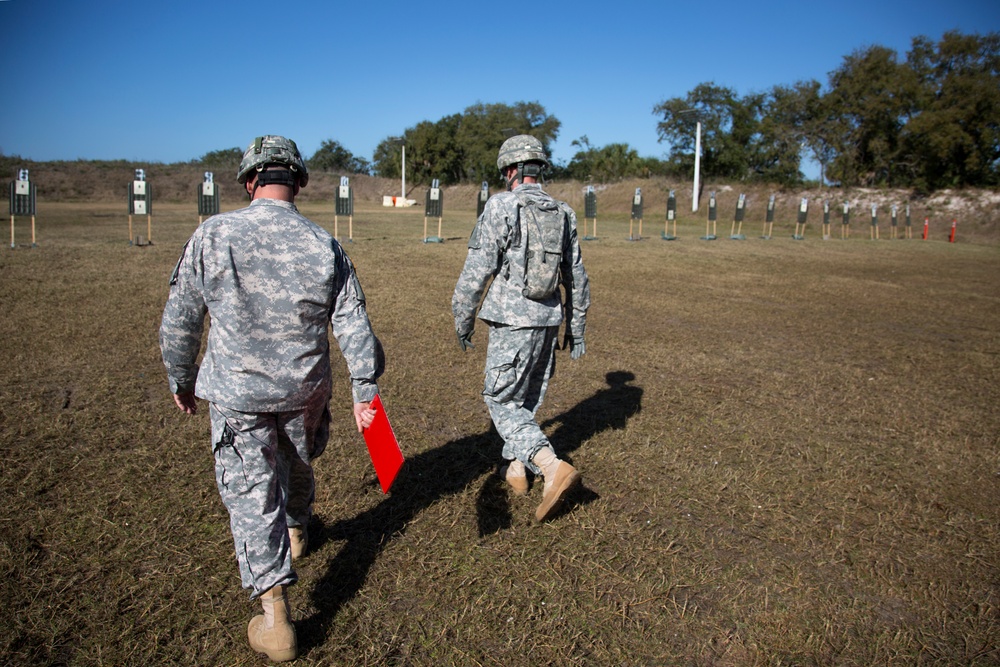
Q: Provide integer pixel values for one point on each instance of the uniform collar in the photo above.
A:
(274, 202)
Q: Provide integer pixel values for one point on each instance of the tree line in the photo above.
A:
(928, 121)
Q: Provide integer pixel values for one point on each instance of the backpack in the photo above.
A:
(543, 227)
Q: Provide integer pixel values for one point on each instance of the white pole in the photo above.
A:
(403, 194)
(697, 168)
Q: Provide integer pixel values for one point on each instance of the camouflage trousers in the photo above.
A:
(519, 363)
(263, 469)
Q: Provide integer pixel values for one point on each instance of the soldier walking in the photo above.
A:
(273, 283)
(526, 243)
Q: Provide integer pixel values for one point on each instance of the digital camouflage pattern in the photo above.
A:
(273, 282)
(496, 252)
(261, 458)
(519, 363)
(272, 149)
(543, 228)
(520, 357)
(521, 148)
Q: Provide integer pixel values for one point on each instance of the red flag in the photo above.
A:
(382, 447)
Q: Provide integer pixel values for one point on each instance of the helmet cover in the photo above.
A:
(519, 149)
(272, 149)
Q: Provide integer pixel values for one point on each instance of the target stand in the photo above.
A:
(768, 220)
(710, 224)
(636, 214)
(482, 198)
(800, 222)
(589, 213)
(671, 219)
(433, 208)
(344, 205)
(736, 230)
(22, 202)
(140, 202)
(208, 197)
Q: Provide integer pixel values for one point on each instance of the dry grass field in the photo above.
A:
(789, 449)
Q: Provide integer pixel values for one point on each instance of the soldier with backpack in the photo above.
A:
(526, 243)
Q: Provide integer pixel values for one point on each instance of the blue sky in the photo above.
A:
(171, 81)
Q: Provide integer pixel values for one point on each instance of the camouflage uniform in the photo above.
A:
(520, 356)
(272, 282)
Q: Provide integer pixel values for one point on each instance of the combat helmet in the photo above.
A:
(273, 149)
(519, 150)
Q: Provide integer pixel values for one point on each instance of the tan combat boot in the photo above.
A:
(299, 536)
(272, 632)
(560, 479)
(516, 476)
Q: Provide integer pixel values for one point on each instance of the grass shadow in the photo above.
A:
(440, 472)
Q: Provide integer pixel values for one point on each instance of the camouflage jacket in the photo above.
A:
(494, 245)
(272, 282)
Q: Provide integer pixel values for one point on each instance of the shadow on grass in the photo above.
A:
(446, 470)
(607, 410)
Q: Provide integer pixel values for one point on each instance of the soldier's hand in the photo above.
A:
(364, 415)
(574, 344)
(577, 347)
(465, 340)
(186, 402)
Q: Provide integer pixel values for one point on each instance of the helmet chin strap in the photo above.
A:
(518, 176)
(530, 169)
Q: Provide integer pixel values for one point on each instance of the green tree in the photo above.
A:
(954, 140)
(432, 151)
(388, 158)
(871, 97)
(581, 165)
(932, 121)
(608, 163)
(820, 125)
(785, 129)
(729, 128)
(484, 128)
(331, 156)
(226, 159)
(463, 147)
